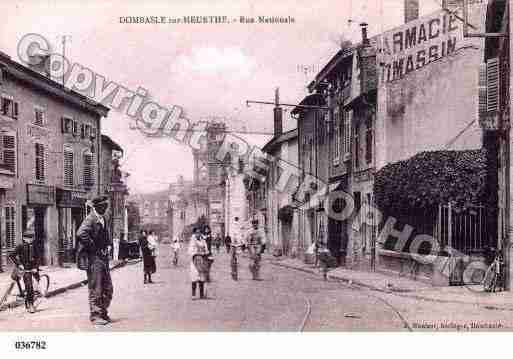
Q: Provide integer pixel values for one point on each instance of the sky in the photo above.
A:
(209, 70)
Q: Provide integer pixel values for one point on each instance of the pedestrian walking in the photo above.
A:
(26, 260)
(207, 235)
(227, 243)
(255, 241)
(175, 250)
(149, 266)
(323, 255)
(198, 251)
(94, 245)
(217, 242)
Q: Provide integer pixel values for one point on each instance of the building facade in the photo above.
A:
(114, 186)
(50, 161)
(406, 91)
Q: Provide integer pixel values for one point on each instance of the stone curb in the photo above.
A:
(400, 292)
(18, 302)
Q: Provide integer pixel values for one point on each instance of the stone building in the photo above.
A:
(153, 208)
(50, 139)
(411, 89)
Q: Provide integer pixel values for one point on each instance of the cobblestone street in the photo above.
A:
(285, 300)
(280, 302)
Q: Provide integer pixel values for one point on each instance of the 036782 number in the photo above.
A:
(30, 345)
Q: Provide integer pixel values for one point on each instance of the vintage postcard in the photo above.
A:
(255, 166)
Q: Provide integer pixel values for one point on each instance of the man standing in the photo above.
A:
(256, 246)
(95, 243)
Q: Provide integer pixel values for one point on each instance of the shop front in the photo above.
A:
(70, 214)
(35, 218)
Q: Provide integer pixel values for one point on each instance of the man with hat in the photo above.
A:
(255, 241)
(95, 243)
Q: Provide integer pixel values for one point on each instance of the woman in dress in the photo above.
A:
(153, 244)
(148, 259)
(198, 250)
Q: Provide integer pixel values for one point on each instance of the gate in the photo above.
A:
(463, 231)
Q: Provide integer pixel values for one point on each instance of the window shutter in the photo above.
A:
(10, 230)
(482, 93)
(9, 152)
(68, 168)
(40, 162)
(82, 131)
(88, 175)
(492, 84)
(15, 110)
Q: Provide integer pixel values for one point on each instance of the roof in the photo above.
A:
(111, 143)
(309, 100)
(275, 141)
(341, 55)
(49, 86)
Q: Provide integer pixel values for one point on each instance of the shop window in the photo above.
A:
(40, 162)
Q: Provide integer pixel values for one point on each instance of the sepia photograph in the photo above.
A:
(329, 166)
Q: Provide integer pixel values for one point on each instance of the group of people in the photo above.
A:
(94, 246)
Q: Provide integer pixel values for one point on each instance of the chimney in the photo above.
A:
(365, 37)
(278, 114)
(411, 10)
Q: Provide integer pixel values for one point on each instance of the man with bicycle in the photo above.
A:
(26, 259)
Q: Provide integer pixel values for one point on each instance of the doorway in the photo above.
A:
(40, 239)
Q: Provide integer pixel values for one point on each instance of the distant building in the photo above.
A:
(153, 207)
(186, 205)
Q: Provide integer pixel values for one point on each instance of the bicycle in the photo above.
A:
(493, 276)
(41, 290)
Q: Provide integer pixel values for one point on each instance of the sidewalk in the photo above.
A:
(404, 287)
(61, 280)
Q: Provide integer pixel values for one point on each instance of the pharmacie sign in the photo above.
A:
(417, 44)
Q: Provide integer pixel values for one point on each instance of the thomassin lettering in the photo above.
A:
(415, 46)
